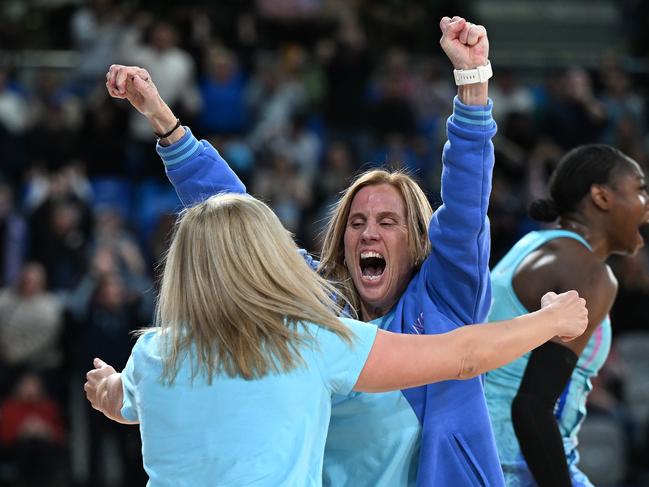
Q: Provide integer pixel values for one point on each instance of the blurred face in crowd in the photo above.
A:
(377, 253)
(30, 388)
(163, 36)
(65, 219)
(220, 64)
(32, 280)
(111, 291)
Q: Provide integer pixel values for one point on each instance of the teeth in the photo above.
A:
(371, 278)
(370, 253)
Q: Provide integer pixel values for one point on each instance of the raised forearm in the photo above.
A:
(474, 94)
(162, 121)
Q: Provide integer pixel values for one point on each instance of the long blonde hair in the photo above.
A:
(418, 213)
(235, 291)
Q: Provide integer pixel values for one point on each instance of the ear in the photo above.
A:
(601, 196)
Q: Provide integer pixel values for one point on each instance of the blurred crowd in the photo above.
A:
(298, 96)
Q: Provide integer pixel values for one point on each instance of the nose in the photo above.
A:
(370, 232)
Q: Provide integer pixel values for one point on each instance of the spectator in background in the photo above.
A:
(575, 116)
(97, 30)
(164, 58)
(392, 110)
(53, 138)
(274, 96)
(301, 145)
(31, 323)
(106, 311)
(223, 91)
(15, 121)
(104, 129)
(13, 238)
(111, 234)
(60, 225)
(393, 116)
(121, 270)
(432, 96)
(509, 95)
(347, 65)
(15, 115)
(621, 103)
(282, 184)
(336, 173)
(32, 435)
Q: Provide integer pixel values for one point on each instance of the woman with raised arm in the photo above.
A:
(235, 384)
(399, 265)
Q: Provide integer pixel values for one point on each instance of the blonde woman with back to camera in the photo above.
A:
(234, 385)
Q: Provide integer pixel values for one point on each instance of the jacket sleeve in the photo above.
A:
(197, 171)
(457, 270)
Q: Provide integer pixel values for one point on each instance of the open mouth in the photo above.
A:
(372, 265)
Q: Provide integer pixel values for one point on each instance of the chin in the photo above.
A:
(372, 300)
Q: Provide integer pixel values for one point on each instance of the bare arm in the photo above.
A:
(104, 391)
(564, 265)
(135, 84)
(399, 361)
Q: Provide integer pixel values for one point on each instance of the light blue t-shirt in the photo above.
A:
(264, 432)
(373, 439)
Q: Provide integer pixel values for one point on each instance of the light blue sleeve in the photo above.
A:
(131, 378)
(341, 362)
(129, 408)
(197, 171)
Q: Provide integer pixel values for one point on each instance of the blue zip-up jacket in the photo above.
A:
(451, 289)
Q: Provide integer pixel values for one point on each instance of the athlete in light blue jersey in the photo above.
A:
(502, 384)
(538, 402)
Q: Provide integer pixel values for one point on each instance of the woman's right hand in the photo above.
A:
(570, 315)
(134, 84)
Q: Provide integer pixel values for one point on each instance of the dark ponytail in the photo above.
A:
(543, 210)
